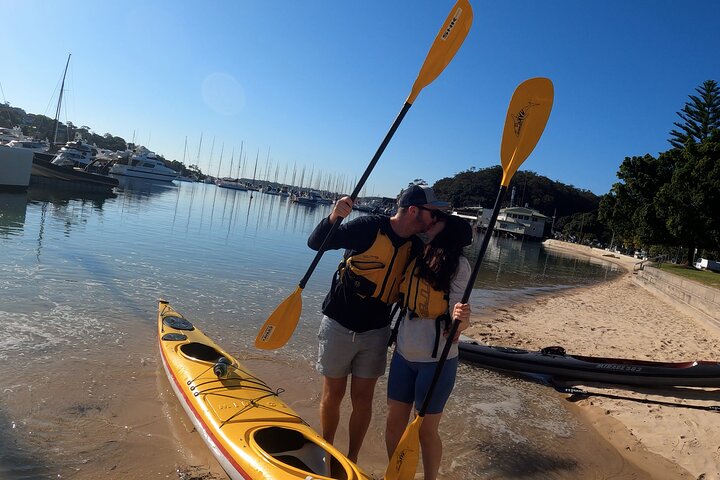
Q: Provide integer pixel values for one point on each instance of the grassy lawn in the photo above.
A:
(706, 277)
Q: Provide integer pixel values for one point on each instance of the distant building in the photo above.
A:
(517, 222)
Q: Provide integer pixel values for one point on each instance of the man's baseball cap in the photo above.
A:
(421, 196)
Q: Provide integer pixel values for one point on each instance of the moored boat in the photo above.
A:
(70, 178)
(309, 199)
(231, 184)
(554, 362)
(251, 432)
(29, 144)
(144, 164)
(76, 154)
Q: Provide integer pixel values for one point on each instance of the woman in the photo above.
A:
(433, 282)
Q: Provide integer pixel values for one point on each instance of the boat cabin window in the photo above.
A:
(148, 165)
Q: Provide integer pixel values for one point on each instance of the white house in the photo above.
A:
(517, 221)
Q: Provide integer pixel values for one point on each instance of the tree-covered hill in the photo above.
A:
(574, 211)
(473, 188)
(42, 128)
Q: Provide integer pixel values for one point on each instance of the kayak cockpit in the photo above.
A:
(200, 351)
(291, 448)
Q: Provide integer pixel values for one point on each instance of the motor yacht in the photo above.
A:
(29, 144)
(75, 154)
(9, 134)
(144, 164)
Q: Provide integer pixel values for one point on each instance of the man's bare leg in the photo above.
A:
(361, 395)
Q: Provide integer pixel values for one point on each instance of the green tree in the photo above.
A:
(629, 208)
(584, 227)
(700, 116)
(690, 201)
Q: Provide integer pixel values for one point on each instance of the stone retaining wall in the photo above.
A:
(684, 293)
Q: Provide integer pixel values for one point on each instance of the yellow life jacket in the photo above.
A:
(420, 298)
(377, 271)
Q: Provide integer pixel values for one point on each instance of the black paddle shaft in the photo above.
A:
(465, 298)
(355, 192)
(585, 393)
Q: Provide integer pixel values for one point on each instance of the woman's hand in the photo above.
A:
(461, 311)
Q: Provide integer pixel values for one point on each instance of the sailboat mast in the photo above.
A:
(59, 104)
(267, 168)
(232, 162)
(242, 144)
(184, 151)
(222, 149)
(212, 149)
(197, 160)
(255, 170)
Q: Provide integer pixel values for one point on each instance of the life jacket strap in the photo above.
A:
(396, 327)
(441, 324)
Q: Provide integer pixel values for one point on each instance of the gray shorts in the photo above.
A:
(342, 351)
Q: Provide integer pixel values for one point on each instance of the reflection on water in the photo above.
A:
(12, 212)
(79, 278)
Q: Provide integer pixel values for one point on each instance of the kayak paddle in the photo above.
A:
(279, 327)
(527, 116)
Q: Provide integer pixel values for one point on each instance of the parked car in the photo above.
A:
(705, 264)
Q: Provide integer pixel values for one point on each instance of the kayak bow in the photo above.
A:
(251, 432)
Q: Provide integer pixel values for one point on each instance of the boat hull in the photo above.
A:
(232, 186)
(592, 369)
(246, 426)
(47, 173)
(135, 172)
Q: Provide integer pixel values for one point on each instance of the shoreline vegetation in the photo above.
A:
(620, 318)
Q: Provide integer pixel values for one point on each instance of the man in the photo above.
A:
(355, 329)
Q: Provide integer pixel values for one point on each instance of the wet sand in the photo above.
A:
(87, 414)
(622, 319)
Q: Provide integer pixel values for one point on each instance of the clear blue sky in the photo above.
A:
(319, 83)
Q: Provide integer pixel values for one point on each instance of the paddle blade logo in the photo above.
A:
(452, 23)
(267, 333)
(400, 458)
(404, 466)
(520, 118)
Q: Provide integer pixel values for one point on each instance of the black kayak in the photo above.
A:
(555, 363)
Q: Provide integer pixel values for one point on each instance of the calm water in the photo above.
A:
(79, 278)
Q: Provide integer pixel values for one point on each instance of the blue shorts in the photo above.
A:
(408, 382)
(342, 352)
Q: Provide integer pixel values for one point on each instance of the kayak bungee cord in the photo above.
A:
(251, 379)
(251, 402)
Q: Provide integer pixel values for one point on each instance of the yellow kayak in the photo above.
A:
(251, 432)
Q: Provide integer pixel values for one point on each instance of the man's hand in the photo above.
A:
(342, 209)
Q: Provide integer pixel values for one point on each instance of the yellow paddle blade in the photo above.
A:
(279, 327)
(446, 44)
(527, 116)
(404, 460)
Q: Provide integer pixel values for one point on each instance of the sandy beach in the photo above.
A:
(621, 319)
